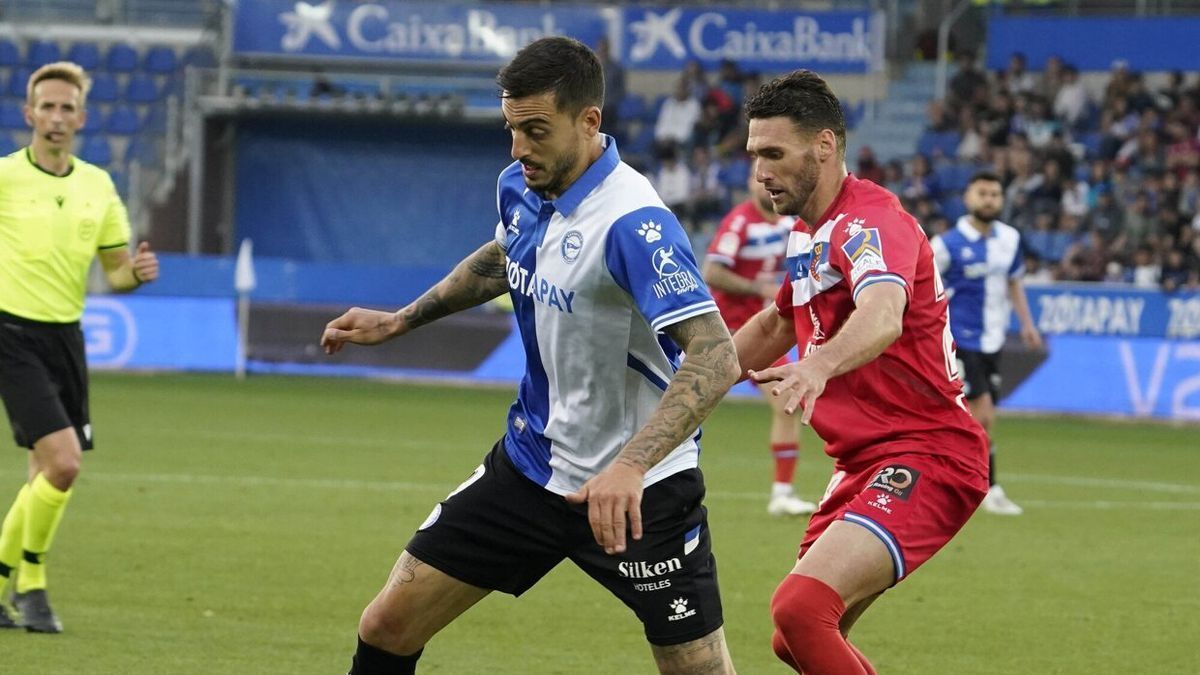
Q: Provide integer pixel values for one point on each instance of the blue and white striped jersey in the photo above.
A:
(976, 272)
(594, 276)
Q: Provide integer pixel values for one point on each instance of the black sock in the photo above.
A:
(991, 464)
(370, 660)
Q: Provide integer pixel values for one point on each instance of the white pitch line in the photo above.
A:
(1103, 505)
(1153, 486)
(718, 495)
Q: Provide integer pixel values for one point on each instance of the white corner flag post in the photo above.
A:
(244, 282)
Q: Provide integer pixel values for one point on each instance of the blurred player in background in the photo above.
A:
(603, 434)
(982, 265)
(743, 269)
(877, 377)
(57, 213)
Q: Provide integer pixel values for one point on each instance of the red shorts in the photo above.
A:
(914, 502)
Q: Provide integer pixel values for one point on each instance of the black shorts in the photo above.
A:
(980, 373)
(501, 531)
(43, 379)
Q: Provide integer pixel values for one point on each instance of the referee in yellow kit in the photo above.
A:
(56, 213)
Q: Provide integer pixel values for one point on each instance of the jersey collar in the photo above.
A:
(968, 230)
(592, 177)
(34, 164)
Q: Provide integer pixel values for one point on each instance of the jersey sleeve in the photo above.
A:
(501, 236)
(876, 246)
(114, 231)
(648, 254)
(728, 240)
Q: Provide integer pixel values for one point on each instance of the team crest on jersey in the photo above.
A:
(819, 256)
(87, 229)
(650, 231)
(864, 249)
(572, 246)
(514, 224)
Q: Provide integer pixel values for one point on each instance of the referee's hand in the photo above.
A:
(612, 495)
(145, 264)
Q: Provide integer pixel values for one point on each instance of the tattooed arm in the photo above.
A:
(478, 278)
(710, 369)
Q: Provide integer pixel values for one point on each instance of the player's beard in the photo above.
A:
(805, 184)
(985, 215)
(555, 175)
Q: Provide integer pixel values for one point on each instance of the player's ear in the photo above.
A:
(826, 144)
(589, 117)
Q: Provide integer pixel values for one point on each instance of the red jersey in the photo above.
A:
(910, 397)
(749, 245)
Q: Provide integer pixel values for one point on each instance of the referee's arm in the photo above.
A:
(125, 272)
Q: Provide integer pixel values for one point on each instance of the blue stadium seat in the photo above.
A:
(10, 53)
(121, 58)
(7, 145)
(104, 88)
(631, 107)
(927, 142)
(200, 56)
(141, 149)
(41, 52)
(123, 120)
(948, 141)
(953, 208)
(12, 117)
(17, 82)
(85, 54)
(97, 150)
(735, 173)
(156, 119)
(1091, 143)
(954, 177)
(121, 181)
(160, 60)
(141, 89)
(643, 142)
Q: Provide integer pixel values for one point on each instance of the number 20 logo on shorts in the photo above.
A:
(896, 480)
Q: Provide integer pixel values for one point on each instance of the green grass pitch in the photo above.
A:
(226, 527)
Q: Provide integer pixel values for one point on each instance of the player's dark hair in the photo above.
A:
(805, 98)
(561, 65)
(984, 176)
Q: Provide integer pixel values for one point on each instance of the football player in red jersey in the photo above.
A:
(877, 379)
(743, 269)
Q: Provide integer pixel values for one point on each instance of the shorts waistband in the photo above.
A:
(22, 321)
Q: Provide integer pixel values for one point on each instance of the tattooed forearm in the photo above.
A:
(475, 280)
(711, 367)
(405, 570)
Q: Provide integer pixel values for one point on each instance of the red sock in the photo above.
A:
(781, 650)
(806, 613)
(785, 461)
(862, 659)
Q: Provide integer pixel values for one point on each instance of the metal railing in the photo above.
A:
(176, 13)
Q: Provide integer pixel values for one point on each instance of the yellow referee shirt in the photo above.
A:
(50, 229)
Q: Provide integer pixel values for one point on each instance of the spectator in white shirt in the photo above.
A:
(677, 117)
(1071, 102)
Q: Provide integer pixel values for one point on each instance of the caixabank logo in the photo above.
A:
(662, 37)
(392, 28)
(110, 333)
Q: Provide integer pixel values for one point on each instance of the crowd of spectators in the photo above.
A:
(1102, 182)
(691, 142)
(1101, 173)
